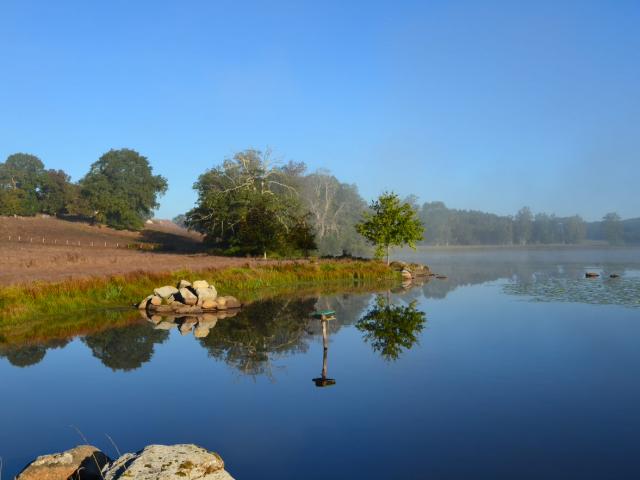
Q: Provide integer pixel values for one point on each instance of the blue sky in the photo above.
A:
(483, 105)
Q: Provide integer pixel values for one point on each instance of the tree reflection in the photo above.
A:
(260, 331)
(390, 328)
(125, 348)
(29, 354)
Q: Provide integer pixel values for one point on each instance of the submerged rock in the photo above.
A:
(83, 463)
(591, 275)
(161, 462)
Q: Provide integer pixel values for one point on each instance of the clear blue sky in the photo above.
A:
(484, 105)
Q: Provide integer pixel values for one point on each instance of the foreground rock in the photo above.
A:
(84, 462)
(155, 462)
(161, 462)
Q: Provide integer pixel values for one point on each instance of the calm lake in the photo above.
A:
(516, 366)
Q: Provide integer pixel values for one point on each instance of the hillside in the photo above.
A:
(51, 249)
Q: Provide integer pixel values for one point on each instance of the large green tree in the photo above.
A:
(21, 177)
(390, 223)
(248, 205)
(120, 190)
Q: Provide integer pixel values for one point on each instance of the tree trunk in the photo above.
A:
(387, 254)
(264, 255)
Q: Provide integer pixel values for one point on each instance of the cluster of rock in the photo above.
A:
(155, 462)
(187, 299)
(412, 271)
(200, 324)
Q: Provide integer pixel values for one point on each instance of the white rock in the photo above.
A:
(188, 297)
(166, 291)
(161, 462)
(200, 284)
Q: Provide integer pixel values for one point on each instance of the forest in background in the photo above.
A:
(121, 191)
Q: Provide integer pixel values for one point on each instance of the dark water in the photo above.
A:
(514, 367)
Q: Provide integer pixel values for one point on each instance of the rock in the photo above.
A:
(143, 304)
(406, 274)
(232, 302)
(165, 325)
(201, 331)
(171, 300)
(398, 265)
(175, 462)
(208, 321)
(155, 319)
(222, 301)
(155, 300)
(183, 284)
(209, 304)
(441, 277)
(209, 292)
(188, 297)
(591, 275)
(186, 326)
(614, 275)
(83, 462)
(166, 291)
(189, 309)
(163, 308)
(200, 284)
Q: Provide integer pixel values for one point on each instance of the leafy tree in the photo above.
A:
(120, 190)
(523, 226)
(334, 208)
(391, 328)
(56, 192)
(391, 223)
(613, 228)
(246, 205)
(21, 175)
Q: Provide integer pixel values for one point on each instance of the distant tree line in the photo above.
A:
(119, 190)
(446, 226)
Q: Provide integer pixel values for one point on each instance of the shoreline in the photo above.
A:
(71, 297)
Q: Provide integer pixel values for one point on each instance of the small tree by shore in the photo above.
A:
(391, 223)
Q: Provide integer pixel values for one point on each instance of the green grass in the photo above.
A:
(35, 302)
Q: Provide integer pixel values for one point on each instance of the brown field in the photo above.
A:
(50, 249)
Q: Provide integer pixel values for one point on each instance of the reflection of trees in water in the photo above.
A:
(390, 328)
(261, 330)
(540, 279)
(125, 348)
(30, 354)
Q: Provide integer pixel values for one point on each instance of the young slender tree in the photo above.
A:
(390, 223)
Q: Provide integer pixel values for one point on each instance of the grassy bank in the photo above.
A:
(68, 298)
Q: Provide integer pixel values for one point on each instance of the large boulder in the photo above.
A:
(166, 291)
(83, 463)
(208, 293)
(143, 304)
(200, 284)
(187, 296)
(183, 284)
(175, 462)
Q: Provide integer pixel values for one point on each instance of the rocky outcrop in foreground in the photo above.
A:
(187, 299)
(155, 462)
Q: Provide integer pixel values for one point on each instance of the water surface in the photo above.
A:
(516, 366)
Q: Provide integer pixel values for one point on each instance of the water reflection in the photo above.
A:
(390, 328)
(125, 348)
(324, 380)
